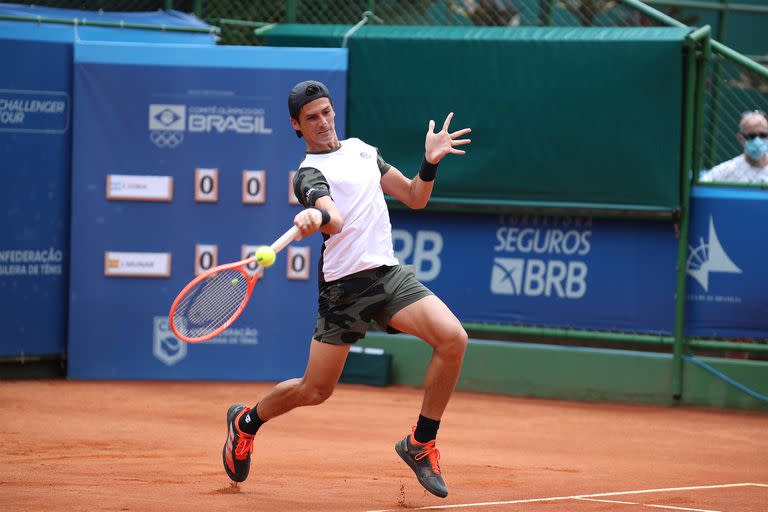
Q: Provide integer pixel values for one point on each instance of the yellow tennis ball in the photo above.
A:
(265, 256)
(235, 281)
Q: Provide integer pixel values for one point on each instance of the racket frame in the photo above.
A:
(277, 246)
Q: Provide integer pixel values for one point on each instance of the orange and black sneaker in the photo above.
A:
(423, 459)
(239, 446)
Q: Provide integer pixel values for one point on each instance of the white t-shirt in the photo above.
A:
(353, 175)
(736, 170)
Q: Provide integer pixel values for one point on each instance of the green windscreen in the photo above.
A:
(561, 117)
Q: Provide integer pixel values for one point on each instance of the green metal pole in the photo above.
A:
(197, 8)
(727, 346)
(701, 64)
(707, 6)
(682, 246)
(740, 59)
(721, 21)
(653, 13)
(168, 5)
(545, 12)
(290, 11)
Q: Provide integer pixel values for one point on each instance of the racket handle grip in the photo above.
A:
(285, 239)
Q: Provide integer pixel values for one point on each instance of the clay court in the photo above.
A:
(156, 446)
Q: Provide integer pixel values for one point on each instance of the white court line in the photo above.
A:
(646, 505)
(682, 508)
(561, 498)
(608, 501)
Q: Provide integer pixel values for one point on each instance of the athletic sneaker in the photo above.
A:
(423, 460)
(239, 446)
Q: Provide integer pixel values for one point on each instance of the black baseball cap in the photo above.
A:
(303, 93)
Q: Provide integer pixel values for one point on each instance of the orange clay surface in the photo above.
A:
(156, 446)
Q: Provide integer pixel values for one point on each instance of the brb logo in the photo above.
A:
(167, 124)
(166, 347)
(530, 274)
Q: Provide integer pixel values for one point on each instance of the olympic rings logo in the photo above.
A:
(166, 139)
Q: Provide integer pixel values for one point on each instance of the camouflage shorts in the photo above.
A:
(347, 306)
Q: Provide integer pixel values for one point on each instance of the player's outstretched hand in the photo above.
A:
(439, 144)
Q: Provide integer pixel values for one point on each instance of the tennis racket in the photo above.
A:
(214, 299)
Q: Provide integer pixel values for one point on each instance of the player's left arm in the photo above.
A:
(415, 193)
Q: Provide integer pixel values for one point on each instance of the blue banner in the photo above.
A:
(575, 272)
(35, 113)
(180, 162)
(35, 151)
(726, 259)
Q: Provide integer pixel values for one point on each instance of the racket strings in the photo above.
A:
(210, 303)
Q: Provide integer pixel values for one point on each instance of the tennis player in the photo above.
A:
(342, 184)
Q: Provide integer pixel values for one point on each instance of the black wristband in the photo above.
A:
(428, 171)
(325, 215)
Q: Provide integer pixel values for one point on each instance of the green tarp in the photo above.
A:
(560, 117)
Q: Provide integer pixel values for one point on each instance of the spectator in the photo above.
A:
(752, 165)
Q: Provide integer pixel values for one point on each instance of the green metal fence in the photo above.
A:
(231, 15)
(432, 12)
(732, 85)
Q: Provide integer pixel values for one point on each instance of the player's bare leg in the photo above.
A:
(431, 320)
(324, 368)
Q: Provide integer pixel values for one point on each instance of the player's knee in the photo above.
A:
(315, 394)
(453, 342)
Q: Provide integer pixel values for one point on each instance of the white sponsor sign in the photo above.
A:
(224, 119)
(546, 257)
(708, 258)
(165, 346)
(298, 263)
(236, 336)
(31, 111)
(31, 262)
(206, 185)
(167, 117)
(535, 277)
(254, 187)
(169, 122)
(137, 264)
(422, 251)
(206, 257)
(129, 187)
